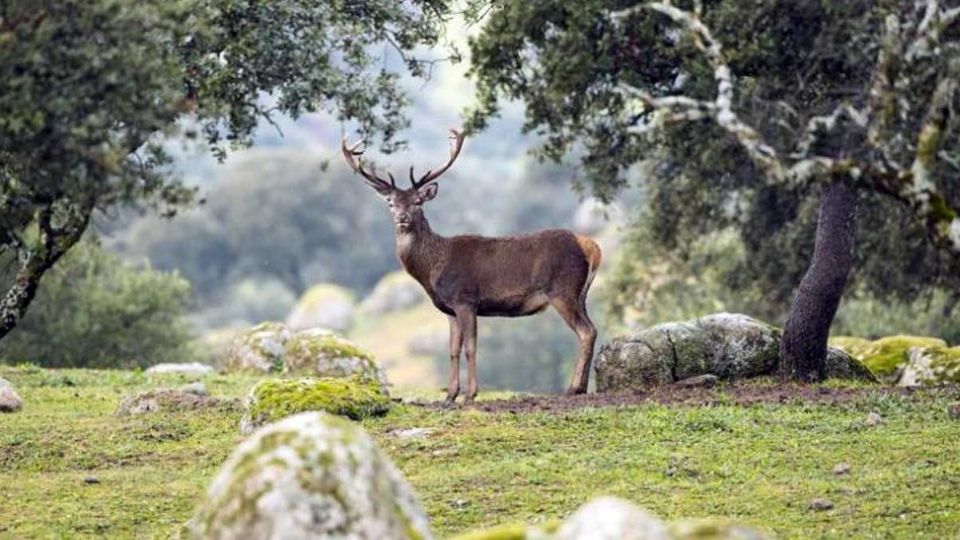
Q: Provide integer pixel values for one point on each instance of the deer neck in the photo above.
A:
(419, 250)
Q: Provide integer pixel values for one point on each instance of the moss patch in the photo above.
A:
(511, 531)
(273, 399)
(884, 356)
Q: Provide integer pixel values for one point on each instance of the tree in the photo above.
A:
(766, 104)
(119, 316)
(90, 91)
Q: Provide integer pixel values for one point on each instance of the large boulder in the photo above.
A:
(323, 306)
(609, 518)
(325, 354)
(931, 366)
(9, 400)
(273, 399)
(885, 357)
(395, 291)
(258, 349)
(311, 475)
(729, 346)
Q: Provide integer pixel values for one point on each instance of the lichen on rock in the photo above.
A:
(726, 345)
(311, 475)
(326, 354)
(258, 349)
(395, 291)
(170, 400)
(931, 366)
(273, 399)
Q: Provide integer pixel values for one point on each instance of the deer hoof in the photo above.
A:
(448, 403)
(575, 391)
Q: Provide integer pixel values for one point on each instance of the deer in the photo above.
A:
(470, 276)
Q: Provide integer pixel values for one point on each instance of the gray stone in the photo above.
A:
(190, 368)
(9, 400)
(725, 345)
(609, 518)
(258, 349)
(311, 475)
(197, 388)
(169, 400)
(700, 381)
(323, 306)
(873, 419)
(841, 468)
(821, 504)
(395, 291)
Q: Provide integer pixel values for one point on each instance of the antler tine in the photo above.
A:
(352, 156)
(430, 175)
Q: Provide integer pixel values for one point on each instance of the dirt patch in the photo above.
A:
(738, 393)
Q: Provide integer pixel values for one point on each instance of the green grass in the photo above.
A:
(758, 465)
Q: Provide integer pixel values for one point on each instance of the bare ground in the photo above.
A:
(745, 393)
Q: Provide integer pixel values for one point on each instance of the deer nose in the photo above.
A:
(403, 216)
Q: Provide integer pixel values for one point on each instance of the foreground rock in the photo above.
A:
(309, 476)
(728, 346)
(324, 306)
(258, 349)
(274, 399)
(170, 400)
(325, 354)
(192, 368)
(931, 366)
(609, 518)
(9, 400)
(885, 357)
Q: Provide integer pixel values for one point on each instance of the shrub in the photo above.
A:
(93, 310)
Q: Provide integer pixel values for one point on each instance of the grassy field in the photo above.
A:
(70, 468)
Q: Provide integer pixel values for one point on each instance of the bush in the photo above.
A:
(93, 310)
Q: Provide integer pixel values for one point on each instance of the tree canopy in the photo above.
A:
(91, 90)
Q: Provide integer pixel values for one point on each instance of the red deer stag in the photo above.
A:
(466, 276)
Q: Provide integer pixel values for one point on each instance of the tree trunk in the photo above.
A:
(803, 349)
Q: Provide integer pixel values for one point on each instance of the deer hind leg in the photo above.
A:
(467, 318)
(456, 342)
(574, 313)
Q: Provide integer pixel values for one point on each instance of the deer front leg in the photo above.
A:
(456, 341)
(467, 317)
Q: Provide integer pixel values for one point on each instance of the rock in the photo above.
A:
(323, 306)
(953, 410)
(309, 476)
(192, 368)
(712, 529)
(9, 400)
(725, 345)
(840, 365)
(197, 388)
(166, 400)
(395, 291)
(885, 356)
(274, 399)
(931, 366)
(258, 349)
(700, 381)
(873, 419)
(413, 433)
(325, 354)
(609, 518)
(91, 480)
(820, 504)
(841, 468)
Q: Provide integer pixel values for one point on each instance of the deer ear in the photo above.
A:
(428, 192)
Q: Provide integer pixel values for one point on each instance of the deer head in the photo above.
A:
(406, 205)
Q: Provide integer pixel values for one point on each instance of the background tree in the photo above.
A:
(90, 89)
(755, 109)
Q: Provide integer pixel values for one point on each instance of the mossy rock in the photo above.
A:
(258, 349)
(323, 306)
(885, 357)
(273, 399)
(311, 475)
(323, 353)
(712, 529)
(931, 366)
(171, 400)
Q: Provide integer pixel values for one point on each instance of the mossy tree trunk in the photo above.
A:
(803, 349)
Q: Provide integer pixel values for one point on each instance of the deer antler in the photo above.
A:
(374, 181)
(457, 138)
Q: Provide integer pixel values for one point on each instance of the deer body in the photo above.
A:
(469, 276)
